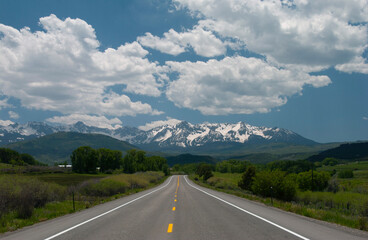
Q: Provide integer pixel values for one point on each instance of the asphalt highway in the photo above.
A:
(180, 209)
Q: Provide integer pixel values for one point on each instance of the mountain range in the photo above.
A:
(175, 137)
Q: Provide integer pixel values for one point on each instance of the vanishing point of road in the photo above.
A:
(180, 209)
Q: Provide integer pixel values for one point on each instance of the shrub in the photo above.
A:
(247, 178)
(333, 186)
(102, 188)
(319, 183)
(274, 184)
(204, 170)
(23, 194)
(345, 174)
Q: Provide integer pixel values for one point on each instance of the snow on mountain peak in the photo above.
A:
(176, 134)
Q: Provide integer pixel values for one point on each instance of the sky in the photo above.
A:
(295, 64)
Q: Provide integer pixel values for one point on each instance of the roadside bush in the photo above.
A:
(102, 188)
(344, 202)
(247, 178)
(205, 171)
(117, 184)
(319, 183)
(274, 184)
(345, 174)
(23, 194)
(333, 186)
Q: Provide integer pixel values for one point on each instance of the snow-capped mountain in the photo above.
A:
(182, 135)
(187, 135)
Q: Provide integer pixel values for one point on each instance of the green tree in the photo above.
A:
(129, 161)
(345, 174)
(109, 159)
(28, 159)
(166, 170)
(205, 171)
(319, 183)
(84, 160)
(330, 162)
(275, 184)
(247, 178)
(10, 156)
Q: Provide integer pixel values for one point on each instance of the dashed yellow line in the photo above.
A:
(169, 229)
(177, 187)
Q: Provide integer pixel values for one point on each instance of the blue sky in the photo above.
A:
(299, 65)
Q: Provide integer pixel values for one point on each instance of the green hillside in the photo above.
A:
(58, 147)
(348, 152)
(189, 158)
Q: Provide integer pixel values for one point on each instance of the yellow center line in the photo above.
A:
(173, 208)
(175, 195)
(175, 200)
(169, 229)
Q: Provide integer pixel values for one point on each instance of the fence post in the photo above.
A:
(73, 203)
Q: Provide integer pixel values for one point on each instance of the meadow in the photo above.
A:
(348, 206)
(28, 198)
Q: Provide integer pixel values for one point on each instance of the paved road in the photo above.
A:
(179, 209)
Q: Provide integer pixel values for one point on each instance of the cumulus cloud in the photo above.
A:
(5, 123)
(13, 115)
(235, 85)
(365, 118)
(4, 103)
(307, 33)
(151, 125)
(94, 121)
(358, 65)
(203, 42)
(61, 69)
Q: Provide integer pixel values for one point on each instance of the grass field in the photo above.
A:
(89, 190)
(357, 184)
(349, 206)
(68, 179)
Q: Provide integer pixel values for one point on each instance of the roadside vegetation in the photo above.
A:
(333, 190)
(31, 192)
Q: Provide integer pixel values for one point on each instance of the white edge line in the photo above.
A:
(116, 208)
(250, 213)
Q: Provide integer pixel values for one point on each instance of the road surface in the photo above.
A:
(180, 209)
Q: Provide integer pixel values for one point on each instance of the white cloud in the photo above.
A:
(5, 123)
(13, 115)
(235, 85)
(358, 65)
(203, 42)
(4, 103)
(365, 118)
(151, 125)
(164, 45)
(94, 121)
(308, 33)
(61, 69)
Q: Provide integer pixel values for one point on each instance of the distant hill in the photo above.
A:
(348, 151)
(58, 147)
(189, 158)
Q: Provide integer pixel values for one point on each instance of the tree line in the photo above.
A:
(13, 157)
(88, 160)
(279, 179)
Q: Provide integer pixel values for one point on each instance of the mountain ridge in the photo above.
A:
(180, 136)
